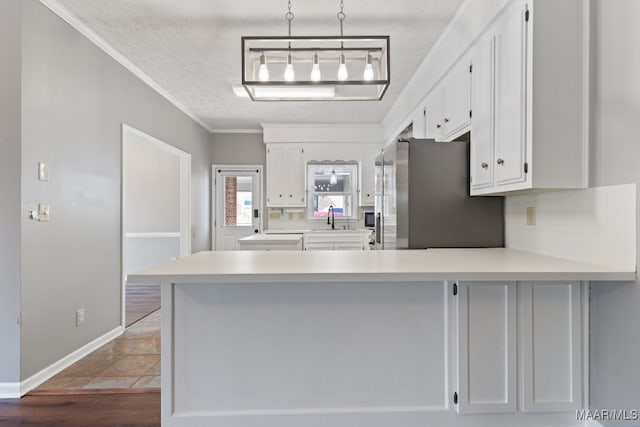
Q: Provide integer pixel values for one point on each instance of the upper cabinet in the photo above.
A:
(529, 78)
(447, 114)
(285, 175)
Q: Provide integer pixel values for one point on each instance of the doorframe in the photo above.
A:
(185, 201)
(242, 168)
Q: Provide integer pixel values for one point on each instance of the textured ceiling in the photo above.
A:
(191, 48)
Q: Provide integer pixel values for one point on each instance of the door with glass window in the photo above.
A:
(237, 204)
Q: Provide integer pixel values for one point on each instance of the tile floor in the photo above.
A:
(131, 361)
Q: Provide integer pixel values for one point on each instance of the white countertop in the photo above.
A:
(373, 266)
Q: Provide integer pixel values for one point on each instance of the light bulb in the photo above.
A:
(289, 75)
(342, 69)
(263, 72)
(333, 180)
(368, 69)
(315, 70)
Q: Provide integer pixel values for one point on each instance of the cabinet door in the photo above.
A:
(434, 115)
(419, 123)
(486, 347)
(510, 124)
(367, 181)
(551, 340)
(456, 100)
(294, 187)
(285, 175)
(481, 146)
(276, 179)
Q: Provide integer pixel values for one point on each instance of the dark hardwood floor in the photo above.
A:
(141, 300)
(95, 410)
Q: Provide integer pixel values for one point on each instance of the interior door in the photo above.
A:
(237, 205)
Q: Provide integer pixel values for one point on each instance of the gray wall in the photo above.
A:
(615, 157)
(75, 99)
(238, 149)
(10, 41)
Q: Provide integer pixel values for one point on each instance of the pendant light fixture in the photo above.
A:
(263, 73)
(315, 69)
(368, 70)
(293, 71)
(333, 179)
(289, 74)
(343, 74)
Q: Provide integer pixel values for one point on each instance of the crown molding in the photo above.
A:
(83, 29)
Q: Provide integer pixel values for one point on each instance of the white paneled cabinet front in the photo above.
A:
(481, 148)
(510, 88)
(486, 339)
(551, 343)
(285, 175)
(529, 97)
(448, 108)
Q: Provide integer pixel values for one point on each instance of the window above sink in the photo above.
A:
(332, 183)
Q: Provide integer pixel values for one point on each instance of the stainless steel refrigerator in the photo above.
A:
(422, 199)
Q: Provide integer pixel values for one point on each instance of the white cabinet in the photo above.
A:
(448, 109)
(551, 346)
(537, 326)
(336, 240)
(528, 130)
(367, 181)
(285, 175)
(481, 146)
(419, 123)
(486, 339)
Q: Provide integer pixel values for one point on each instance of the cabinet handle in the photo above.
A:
(500, 161)
(290, 195)
(446, 120)
(438, 126)
(280, 195)
(484, 165)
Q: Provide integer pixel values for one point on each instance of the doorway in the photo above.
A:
(156, 214)
(237, 206)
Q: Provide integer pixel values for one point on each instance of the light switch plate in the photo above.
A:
(43, 212)
(43, 171)
(80, 316)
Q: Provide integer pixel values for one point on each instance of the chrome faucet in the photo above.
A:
(331, 219)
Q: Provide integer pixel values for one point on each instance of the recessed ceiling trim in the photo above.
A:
(83, 29)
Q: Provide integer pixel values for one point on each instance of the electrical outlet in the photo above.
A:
(80, 317)
(43, 212)
(531, 215)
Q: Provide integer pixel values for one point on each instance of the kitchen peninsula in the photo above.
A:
(447, 337)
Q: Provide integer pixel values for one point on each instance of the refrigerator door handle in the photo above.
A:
(378, 221)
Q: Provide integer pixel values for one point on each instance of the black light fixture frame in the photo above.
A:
(382, 83)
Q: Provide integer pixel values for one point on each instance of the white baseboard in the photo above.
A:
(9, 390)
(35, 380)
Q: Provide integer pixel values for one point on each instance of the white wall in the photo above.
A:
(151, 188)
(615, 153)
(75, 99)
(10, 115)
(151, 203)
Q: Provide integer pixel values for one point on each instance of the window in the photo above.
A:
(332, 184)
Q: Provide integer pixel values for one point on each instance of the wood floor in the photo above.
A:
(95, 410)
(140, 301)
